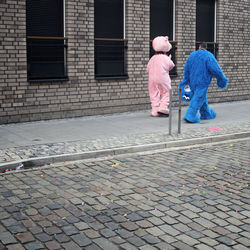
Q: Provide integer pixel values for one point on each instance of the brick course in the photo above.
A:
(82, 95)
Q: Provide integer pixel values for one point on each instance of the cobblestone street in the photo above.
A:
(193, 198)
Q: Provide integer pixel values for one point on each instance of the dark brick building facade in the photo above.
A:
(81, 92)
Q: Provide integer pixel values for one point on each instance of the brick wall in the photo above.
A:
(13, 81)
(82, 95)
(233, 37)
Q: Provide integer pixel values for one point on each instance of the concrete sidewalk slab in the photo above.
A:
(115, 125)
(117, 132)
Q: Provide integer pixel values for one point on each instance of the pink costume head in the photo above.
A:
(161, 43)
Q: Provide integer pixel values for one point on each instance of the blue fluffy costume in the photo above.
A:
(200, 67)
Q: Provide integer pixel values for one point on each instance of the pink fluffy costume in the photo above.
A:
(159, 82)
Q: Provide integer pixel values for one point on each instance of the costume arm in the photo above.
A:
(171, 64)
(215, 69)
(185, 96)
(186, 76)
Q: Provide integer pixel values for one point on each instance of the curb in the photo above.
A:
(39, 161)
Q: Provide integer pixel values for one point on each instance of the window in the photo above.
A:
(162, 24)
(46, 44)
(206, 24)
(110, 42)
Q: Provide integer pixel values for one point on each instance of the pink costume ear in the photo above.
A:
(166, 38)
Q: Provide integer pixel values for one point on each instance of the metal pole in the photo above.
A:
(170, 112)
(179, 113)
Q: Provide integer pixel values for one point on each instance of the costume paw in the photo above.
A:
(208, 115)
(154, 114)
(187, 94)
(163, 111)
(195, 119)
(163, 114)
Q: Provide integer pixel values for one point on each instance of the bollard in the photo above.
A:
(179, 113)
(170, 112)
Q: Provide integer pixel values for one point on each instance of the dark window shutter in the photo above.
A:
(109, 18)
(161, 24)
(161, 18)
(205, 11)
(110, 47)
(46, 45)
(44, 18)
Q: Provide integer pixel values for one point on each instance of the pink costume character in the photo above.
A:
(159, 82)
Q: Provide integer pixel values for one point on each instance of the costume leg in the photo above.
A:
(196, 103)
(164, 102)
(206, 112)
(154, 95)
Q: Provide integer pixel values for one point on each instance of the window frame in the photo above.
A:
(30, 39)
(212, 46)
(173, 72)
(123, 41)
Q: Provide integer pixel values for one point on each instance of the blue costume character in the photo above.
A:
(200, 67)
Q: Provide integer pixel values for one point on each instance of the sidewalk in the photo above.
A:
(71, 139)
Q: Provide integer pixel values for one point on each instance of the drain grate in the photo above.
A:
(18, 166)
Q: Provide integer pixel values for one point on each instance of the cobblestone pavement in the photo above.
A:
(195, 198)
(52, 149)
